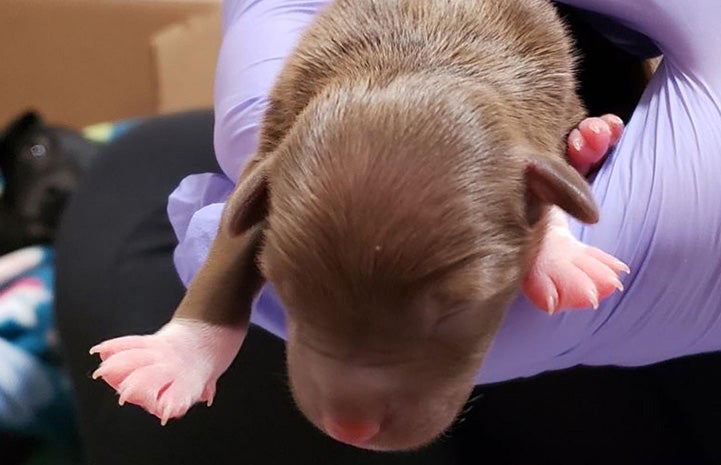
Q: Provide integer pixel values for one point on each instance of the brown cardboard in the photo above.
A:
(86, 61)
(185, 56)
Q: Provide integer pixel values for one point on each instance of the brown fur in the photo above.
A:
(408, 156)
(466, 90)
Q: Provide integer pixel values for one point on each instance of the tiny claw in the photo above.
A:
(208, 395)
(551, 303)
(577, 145)
(94, 349)
(166, 416)
(618, 285)
(97, 373)
(593, 298)
(615, 119)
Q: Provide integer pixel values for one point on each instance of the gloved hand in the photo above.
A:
(658, 191)
(257, 36)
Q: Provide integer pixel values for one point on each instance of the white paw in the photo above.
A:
(569, 274)
(168, 372)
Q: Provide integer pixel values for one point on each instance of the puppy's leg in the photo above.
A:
(567, 273)
(168, 372)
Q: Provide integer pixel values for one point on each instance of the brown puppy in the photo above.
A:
(408, 161)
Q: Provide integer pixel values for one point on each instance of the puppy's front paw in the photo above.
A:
(591, 141)
(569, 274)
(168, 372)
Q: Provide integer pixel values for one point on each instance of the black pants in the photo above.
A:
(116, 277)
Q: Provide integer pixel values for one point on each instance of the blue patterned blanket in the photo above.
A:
(35, 396)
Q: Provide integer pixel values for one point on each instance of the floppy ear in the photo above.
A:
(223, 290)
(551, 180)
(225, 287)
(248, 204)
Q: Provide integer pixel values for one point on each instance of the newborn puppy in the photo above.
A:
(408, 170)
(41, 166)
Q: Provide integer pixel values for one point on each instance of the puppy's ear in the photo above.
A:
(248, 204)
(551, 180)
(224, 289)
(24, 122)
(18, 126)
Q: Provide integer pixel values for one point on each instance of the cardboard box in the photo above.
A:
(80, 62)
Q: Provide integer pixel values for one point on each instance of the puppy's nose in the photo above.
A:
(351, 432)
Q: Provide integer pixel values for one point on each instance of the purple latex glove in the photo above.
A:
(658, 192)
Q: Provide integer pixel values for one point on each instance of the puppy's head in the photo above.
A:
(398, 230)
(41, 167)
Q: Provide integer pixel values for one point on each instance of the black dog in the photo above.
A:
(41, 166)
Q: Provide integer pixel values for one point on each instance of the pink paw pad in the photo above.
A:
(569, 274)
(589, 143)
(168, 372)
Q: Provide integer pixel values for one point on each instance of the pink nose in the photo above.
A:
(355, 433)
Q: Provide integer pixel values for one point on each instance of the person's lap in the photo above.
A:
(116, 277)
